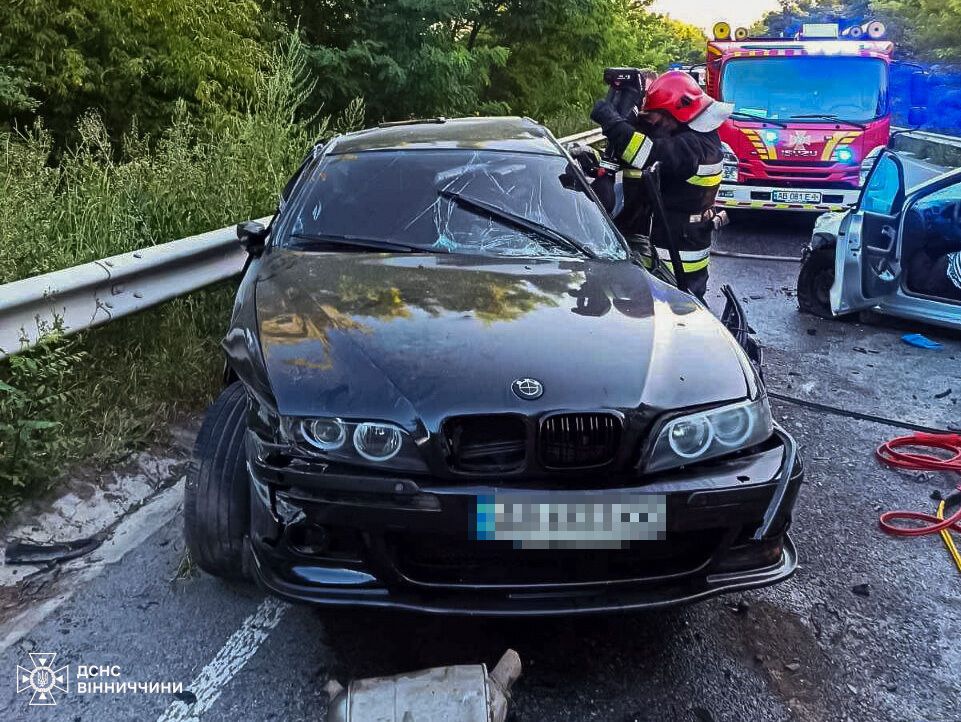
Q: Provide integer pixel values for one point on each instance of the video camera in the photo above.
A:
(626, 94)
(626, 90)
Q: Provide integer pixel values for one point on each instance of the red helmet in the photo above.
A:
(678, 94)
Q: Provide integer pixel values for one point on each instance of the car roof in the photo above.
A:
(507, 133)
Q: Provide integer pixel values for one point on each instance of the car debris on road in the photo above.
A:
(465, 693)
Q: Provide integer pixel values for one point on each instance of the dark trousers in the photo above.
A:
(697, 283)
(689, 237)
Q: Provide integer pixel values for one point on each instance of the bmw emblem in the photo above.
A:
(527, 389)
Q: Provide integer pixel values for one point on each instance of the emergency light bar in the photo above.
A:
(821, 31)
(874, 30)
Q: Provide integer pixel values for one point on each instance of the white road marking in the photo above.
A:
(128, 535)
(236, 652)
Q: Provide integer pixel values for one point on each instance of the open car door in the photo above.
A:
(867, 263)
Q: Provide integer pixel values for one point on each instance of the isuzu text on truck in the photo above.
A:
(808, 111)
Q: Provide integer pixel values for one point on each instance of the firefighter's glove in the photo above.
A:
(587, 158)
(605, 115)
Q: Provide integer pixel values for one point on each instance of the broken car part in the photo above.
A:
(466, 693)
(23, 552)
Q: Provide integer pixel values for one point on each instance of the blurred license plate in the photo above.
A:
(576, 521)
(796, 197)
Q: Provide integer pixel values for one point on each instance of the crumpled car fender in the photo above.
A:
(827, 228)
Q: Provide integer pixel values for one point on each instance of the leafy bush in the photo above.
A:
(109, 389)
(40, 383)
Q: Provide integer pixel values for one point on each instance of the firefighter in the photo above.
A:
(677, 127)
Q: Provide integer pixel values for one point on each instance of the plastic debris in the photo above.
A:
(920, 341)
(21, 552)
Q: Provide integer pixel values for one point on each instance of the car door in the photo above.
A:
(930, 254)
(867, 262)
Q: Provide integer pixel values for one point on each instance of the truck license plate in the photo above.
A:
(796, 197)
(570, 521)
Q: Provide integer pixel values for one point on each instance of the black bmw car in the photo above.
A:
(451, 387)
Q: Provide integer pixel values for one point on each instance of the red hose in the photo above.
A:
(888, 453)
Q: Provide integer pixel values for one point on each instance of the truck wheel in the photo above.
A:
(217, 491)
(814, 283)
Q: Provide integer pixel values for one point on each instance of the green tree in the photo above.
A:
(559, 50)
(932, 28)
(793, 13)
(61, 58)
(534, 57)
(405, 57)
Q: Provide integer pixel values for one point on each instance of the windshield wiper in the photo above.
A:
(829, 116)
(524, 224)
(307, 239)
(759, 118)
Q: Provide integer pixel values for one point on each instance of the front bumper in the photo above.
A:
(734, 195)
(334, 539)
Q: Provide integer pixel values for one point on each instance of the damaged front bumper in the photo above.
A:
(404, 543)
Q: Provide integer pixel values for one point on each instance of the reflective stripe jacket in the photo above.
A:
(690, 164)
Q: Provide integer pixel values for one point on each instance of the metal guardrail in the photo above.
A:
(92, 294)
(944, 150)
(951, 140)
(588, 137)
(95, 293)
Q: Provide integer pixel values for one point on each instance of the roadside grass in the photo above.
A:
(96, 396)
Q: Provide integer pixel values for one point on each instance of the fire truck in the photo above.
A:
(809, 110)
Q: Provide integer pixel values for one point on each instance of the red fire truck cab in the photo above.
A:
(808, 111)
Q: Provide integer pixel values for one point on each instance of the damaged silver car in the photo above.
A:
(898, 252)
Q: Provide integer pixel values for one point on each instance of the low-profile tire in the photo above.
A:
(814, 283)
(217, 490)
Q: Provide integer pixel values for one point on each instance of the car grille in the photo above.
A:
(478, 444)
(448, 561)
(579, 440)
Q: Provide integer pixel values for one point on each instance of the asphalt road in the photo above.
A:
(809, 649)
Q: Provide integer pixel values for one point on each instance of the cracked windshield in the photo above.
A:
(452, 201)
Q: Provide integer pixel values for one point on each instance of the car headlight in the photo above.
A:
(325, 434)
(358, 442)
(377, 442)
(707, 434)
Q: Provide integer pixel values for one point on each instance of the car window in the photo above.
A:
(940, 212)
(883, 188)
(785, 87)
(404, 196)
(943, 197)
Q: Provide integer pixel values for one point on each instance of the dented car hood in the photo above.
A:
(417, 337)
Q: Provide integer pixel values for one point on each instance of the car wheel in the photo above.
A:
(814, 283)
(217, 491)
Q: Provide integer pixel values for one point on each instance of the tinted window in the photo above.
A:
(883, 188)
(850, 88)
(395, 196)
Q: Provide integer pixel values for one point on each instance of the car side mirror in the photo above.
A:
(252, 236)
(919, 89)
(917, 117)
